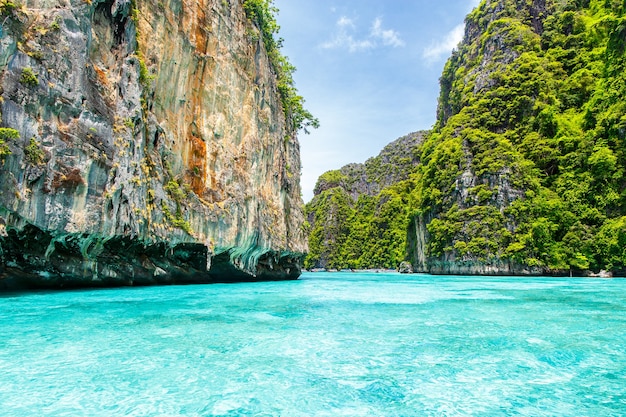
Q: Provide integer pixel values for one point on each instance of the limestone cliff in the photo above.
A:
(392, 165)
(465, 227)
(524, 172)
(152, 148)
(358, 215)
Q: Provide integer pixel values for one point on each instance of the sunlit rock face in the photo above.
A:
(152, 147)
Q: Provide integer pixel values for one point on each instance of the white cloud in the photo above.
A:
(388, 37)
(443, 47)
(345, 22)
(346, 36)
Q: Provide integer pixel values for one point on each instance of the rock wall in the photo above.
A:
(523, 173)
(392, 165)
(152, 147)
(475, 200)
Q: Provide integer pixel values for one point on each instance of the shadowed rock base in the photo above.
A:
(32, 258)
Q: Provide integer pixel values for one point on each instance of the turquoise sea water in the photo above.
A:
(343, 344)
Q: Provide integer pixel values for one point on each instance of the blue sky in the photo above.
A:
(368, 70)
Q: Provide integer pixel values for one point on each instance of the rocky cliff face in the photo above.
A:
(392, 165)
(152, 146)
(466, 228)
(524, 171)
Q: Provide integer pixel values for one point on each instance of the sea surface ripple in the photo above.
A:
(329, 344)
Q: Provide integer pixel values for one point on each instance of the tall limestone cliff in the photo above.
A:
(143, 142)
(524, 172)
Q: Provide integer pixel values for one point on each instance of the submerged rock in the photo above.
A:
(152, 148)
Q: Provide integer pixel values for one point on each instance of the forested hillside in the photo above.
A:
(359, 215)
(524, 169)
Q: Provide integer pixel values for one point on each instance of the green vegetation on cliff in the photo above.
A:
(7, 134)
(532, 115)
(368, 233)
(262, 12)
(526, 163)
